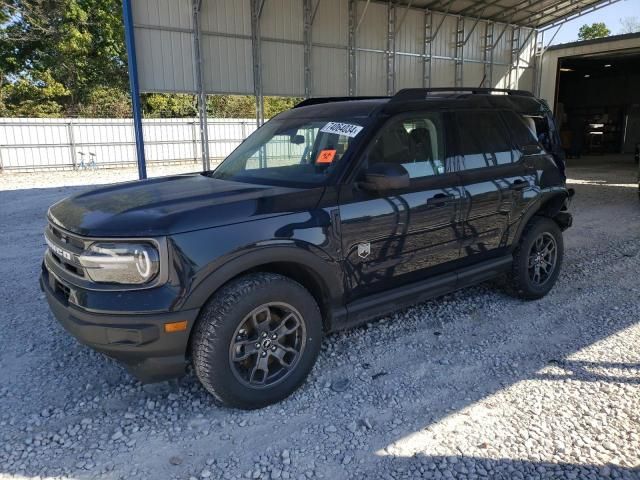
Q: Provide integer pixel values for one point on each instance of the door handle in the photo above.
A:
(439, 200)
(518, 185)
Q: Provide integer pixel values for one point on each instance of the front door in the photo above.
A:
(392, 238)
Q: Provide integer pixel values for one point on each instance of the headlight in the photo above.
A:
(126, 263)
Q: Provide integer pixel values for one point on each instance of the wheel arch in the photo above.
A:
(549, 205)
(321, 276)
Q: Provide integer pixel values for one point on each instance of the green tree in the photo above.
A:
(67, 57)
(595, 30)
(78, 43)
(106, 102)
(33, 97)
(158, 105)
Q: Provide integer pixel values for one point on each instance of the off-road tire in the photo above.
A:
(518, 282)
(216, 328)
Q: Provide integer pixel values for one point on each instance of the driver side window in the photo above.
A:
(416, 143)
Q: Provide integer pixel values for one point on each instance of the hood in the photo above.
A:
(168, 205)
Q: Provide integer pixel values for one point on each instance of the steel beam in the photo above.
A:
(404, 16)
(487, 56)
(256, 50)
(200, 89)
(578, 13)
(514, 59)
(130, 43)
(353, 12)
(459, 53)
(391, 47)
(428, 49)
(308, 13)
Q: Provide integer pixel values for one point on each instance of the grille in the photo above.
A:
(64, 250)
(65, 238)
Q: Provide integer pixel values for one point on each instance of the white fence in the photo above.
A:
(69, 143)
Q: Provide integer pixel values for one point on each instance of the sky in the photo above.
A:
(610, 15)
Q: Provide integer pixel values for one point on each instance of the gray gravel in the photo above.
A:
(472, 385)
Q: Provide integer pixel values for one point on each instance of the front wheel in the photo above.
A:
(256, 340)
(536, 260)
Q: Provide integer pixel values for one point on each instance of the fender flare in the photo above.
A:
(325, 270)
(558, 195)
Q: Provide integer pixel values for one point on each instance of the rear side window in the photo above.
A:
(483, 140)
(523, 129)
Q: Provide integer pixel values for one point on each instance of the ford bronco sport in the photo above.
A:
(333, 213)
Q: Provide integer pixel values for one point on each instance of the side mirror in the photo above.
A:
(385, 176)
(296, 139)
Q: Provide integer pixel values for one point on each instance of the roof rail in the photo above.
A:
(407, 94)
(321, 100)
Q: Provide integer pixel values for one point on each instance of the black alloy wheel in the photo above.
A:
(256, 340)
(542, 258)
(536, 260)
(267, 345)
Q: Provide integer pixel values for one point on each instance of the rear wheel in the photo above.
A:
(536, 260)
(256, 340)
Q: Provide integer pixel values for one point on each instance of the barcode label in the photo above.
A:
(346, 129)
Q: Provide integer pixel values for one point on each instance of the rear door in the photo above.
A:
(494, 177)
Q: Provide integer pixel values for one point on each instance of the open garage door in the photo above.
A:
(598, 103)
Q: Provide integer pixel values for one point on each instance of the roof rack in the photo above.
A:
(407, 94)
(321, 100)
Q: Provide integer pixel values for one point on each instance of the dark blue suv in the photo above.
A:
(333, 213)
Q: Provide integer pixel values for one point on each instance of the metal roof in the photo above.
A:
(525, 13)
(596, 41)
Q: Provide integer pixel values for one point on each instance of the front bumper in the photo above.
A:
(137, 340)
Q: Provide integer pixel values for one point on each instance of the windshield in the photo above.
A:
(291, 151)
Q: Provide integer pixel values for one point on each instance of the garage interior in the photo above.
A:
(598, 103)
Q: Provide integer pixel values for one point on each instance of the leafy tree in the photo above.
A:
(244, 106)
(275, 105)
(595, 30)
(106, 102)
(33, 98)
(67, 58)
(157, 105)
(78, 43)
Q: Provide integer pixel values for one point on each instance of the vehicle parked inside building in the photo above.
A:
(331, 214)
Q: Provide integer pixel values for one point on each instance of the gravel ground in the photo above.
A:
(472, 385)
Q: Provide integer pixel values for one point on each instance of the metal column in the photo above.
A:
(391, 47)
(201, 95)
(459, 53)
(428, 47)
(487, 56)
(514, 58)
(256, 12)
(353, 12)
(308, 14)
(130, 42)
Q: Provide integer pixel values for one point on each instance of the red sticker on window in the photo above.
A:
(326, 156)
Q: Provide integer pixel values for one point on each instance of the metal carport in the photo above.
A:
(333, 47)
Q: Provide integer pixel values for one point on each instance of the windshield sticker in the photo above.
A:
(325, 156)
(346, 129)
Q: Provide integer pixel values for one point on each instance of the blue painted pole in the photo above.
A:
(135, 88)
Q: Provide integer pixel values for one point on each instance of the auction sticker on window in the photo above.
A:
(326, 156)
(346, 129)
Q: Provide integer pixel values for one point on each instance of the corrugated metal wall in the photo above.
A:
(165, 39)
